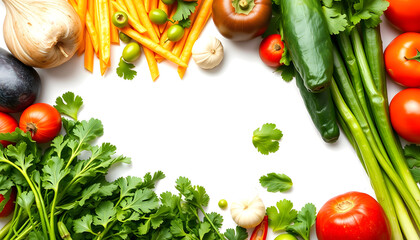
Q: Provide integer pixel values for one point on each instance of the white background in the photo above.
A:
(201, 126)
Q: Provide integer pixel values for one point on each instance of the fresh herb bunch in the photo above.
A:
(62, 191)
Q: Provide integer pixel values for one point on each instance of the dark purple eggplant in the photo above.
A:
(19, 84)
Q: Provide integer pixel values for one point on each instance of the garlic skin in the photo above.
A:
(208, 53)
(41, 33)
(248, 213)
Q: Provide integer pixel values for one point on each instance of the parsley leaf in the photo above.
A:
(184, 10)
(267, 139)
(69, 104)
(412, 154)
(337, 22)
(370, 11)
(275, 182)
(282, 216)
(305, 220)
(125, 70)
(241, 233)
(287, 71)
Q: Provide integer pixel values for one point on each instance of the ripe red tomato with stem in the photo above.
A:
(402, 59)
(353, 215)
(404, 14)
(42, 120)
(6, 208)
(404, 111)
(260, 231)
(7, 124)
(271, 50)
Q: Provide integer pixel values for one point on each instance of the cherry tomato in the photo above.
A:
(131, 52)
(120, 19)
(42, 120)
(158, 16)
(260, 231)
(7, 124)
(402, 59)
(285, 236)
(175, 32)
(271, 50)
(404, 111)
(404, 14)
(353, 215)
(10, 204)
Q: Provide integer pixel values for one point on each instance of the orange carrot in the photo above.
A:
(82, 9)
(166, 9)
(122, 4)
(131, 19)
(151, 62)
(88, 53)
(155, 47)
(200, 22)
(114, 30)
(90, 26)
(132, 10)
(147, 5)
(145, 21)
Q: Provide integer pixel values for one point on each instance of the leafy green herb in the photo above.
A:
(125, 70)
(240, 234)
(305, 220)
(412, 154)
(275, 182)
(68, 104)
(282, 216)
(266, 139)
(184, 10)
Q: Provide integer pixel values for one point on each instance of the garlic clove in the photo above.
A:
(248, 213)
(208, 53)
(41, 33)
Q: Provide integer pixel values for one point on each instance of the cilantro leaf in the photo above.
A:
(282, 216)
(26, 199)
(143, 201)
(184, 10)
(275, 182)
(305, 220)
(83, 224)
(412, 154)
(241, 233)
(267, 139)
(287, 72)
(105, 213)
(337, 22)
(5, 184)
(88, 131)
(53, 173)
(127, 185)
(371, 11)
(69, 104)
(125, 70)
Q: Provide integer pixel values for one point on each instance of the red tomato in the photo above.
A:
(7, 124)
(260, 231)
(353, 215)
(42, 120)
(10, 204)
(404, 111)
(399, 59)
(271, 50)
(404, 14)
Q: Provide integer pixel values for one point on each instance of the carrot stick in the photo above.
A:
(166, 9)
(132, 10)
(164, 42)
(156, 28)
(145, 21)
(114, 30)
(147, 5)
(155, 47)
(82, 8)
(122, 4)
(93, 35)
(131, 19)
(200, 22)
(179, 46)
(151, 62)
(104, 34)
(88, 57)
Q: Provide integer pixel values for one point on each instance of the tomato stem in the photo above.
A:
(344, 206)
(243, 4)
(31, 127)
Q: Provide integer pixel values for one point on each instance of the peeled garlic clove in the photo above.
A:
(248, 213)
(208, 53)
(41, 33)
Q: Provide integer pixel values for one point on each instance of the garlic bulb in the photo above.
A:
(248, 213)
(41, 33)
(208, 53)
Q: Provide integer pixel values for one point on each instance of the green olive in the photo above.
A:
(124, 37)
(285, 236)
(175, 32)
(120, 19)
(223, 204)
(131, 52)
(168, 2)
(158, 16)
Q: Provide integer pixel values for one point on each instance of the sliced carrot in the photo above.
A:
(155, 47)
(114, 30)
(122, 4)
(105, 28)
(90, 26)
(162, 6)
(202, 17)
(132, 9)
(88, 58)
(131, 19)
(82, 9)
(179, 46)
(147, 5)
(151, 62)
(156, 29)
(145, 21)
